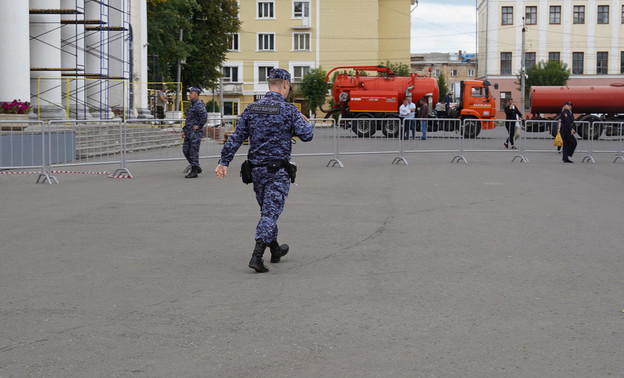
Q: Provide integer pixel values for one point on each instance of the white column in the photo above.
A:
(14, 66)
(72, 56)
(45, 52)
(117, 55)
(140, 59)
(96, 60)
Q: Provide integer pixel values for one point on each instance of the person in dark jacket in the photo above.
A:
(568, 131)
(269, 123)
(193, 131)
(512, 114)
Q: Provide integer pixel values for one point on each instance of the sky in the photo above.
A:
(443, 26)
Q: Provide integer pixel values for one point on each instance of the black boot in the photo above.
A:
(192, 173)
(199, 170)
(277, 251)
(256, 263)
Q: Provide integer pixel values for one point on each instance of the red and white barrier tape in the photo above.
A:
(109, 175)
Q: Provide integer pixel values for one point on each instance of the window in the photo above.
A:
(603, 14)
(265, 9)
(301, 41)
(579, 14)
(453, 73)
(301, 9)
(299, 72)
(602, 63)
(230, 74)
(555, 14)
(529, 60)
(263, 73)
(266, 42)
(531, 15)
(234, 42)
(554, 56)
(230, 108)
(471, 72)
(577, 63)
(622, 62)
(623, 14)
(505, 97)
(477, 92)
(507, 14)
(505, 63)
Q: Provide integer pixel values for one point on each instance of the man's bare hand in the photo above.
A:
(221, 171)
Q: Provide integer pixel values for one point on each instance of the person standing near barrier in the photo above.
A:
(161, 102)
(512, 115)
(407, 111)
(423, 113)
(193, 131)
(269, 123)
(568, 131)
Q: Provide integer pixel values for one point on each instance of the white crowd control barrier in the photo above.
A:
(84, 143)
(57, 145)
(23, 146)
(364, 135)
(607, 138)
(539, 136)
(491, 136)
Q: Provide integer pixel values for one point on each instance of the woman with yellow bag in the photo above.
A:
(568, 132)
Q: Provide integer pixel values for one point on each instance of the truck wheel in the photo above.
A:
(391, 126)
(472, 128)
(583, 130)
(364, 126)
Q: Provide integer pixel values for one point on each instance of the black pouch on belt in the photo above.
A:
(246, 172)
(292, 171)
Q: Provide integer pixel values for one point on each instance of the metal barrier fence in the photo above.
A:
(22, 146)
(60, 144)
(608, 138)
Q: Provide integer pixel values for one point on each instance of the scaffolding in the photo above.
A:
(97, 35)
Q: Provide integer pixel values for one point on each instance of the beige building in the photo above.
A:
(587, 35)
(300, 35)
(456, 68)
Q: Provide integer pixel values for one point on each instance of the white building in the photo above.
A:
(75, 58)
(587, 35)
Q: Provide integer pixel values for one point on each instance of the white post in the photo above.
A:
(72, 56)
(140, 100)
(45, 52)
(15, 56)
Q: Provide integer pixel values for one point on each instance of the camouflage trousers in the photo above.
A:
(271, 191)
(192, 142)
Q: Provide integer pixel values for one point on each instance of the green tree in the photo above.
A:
(552, 72)
(206, 27)
(399, 69)
(313, 88)
(442, 87)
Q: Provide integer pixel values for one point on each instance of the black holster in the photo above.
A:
(246, 172)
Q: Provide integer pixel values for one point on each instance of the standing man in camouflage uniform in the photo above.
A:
(193, 131)
(269, 123)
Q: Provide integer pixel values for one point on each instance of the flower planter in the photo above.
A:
(13, 126)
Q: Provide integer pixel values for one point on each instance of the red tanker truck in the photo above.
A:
(369, 98)
(590, 103)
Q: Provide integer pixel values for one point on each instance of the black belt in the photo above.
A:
(275, 164)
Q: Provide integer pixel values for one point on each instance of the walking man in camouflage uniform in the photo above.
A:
(193, 131)
(269, 123)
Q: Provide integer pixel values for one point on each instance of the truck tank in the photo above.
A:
(392, 86)
(585, 99)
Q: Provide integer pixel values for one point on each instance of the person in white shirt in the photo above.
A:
(407, 111)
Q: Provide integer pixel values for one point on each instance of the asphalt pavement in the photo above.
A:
(431, 269)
